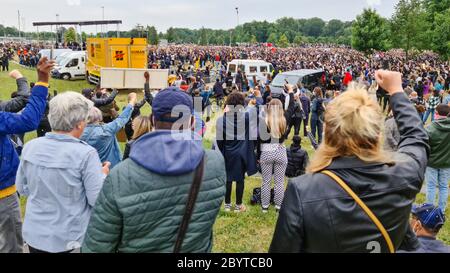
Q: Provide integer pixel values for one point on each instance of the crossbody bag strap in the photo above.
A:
(366, 209)
(192, 197)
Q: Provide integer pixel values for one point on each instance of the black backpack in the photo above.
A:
(256, 197)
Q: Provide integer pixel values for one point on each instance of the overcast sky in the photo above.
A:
(217, 14)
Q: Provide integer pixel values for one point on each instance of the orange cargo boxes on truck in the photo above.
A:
(114, 53)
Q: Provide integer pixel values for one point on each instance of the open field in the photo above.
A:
(248, 232)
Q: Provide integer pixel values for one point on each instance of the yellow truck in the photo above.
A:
(114, 53)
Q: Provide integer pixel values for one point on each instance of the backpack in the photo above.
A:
(255, 199)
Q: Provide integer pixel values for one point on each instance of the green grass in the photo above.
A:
(246, 232)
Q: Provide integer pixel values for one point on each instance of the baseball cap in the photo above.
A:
(87, 93)
(167, 100)
(430, 216)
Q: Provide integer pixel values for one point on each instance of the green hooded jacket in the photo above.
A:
(439, 133)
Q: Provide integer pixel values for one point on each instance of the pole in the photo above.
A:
(57, 27)
(18, 18)
(103, 18)
(237, 16)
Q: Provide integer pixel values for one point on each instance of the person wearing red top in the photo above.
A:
(348, 77)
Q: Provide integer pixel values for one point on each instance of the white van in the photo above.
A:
(56, 52)
(71, 66)
(258, 68)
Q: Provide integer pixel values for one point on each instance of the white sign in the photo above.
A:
(130, 78)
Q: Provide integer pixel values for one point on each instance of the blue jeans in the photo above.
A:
(316, 126)
(427, 114)
(437, 179)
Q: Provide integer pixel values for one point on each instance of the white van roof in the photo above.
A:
(248, 61)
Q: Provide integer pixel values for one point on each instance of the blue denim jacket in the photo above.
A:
(103, 137)
(62, 177)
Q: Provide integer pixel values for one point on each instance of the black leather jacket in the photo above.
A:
(319, 216)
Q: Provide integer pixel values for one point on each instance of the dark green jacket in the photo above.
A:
(439, 133)
(140, 210)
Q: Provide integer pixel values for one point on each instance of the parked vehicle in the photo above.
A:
(114, 53)
(71, 66)
(309, 78)
(56, 53)
(258, 68)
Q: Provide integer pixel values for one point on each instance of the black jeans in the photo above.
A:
(295, 122)
(239, 192)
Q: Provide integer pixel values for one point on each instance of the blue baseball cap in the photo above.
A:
(165, 102)
(430, 216)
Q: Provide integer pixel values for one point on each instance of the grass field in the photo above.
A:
(248, 232)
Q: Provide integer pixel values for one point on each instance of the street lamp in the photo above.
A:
(237, 16)
(103, 19)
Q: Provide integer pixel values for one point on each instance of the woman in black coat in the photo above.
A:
(237, 147)
(318, 215)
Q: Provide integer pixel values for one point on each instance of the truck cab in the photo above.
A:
(71, 66)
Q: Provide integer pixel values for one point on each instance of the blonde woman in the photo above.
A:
(141, 126)
(318, 215)
(273, 158)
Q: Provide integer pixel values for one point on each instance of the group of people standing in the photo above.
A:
(166, 193)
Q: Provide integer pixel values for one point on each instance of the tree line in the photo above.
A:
(415, 25)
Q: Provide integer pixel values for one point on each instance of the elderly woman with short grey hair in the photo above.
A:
(62, 177)
(103, 136)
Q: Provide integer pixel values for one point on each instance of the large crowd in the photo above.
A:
(370, 125)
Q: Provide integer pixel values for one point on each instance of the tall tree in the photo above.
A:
(409, 25)
(370, 31)
(298, 40)
(203, 37)
(70, 35)
(171, 35)
(333, 28)
(273, 38)
(152, 33)
(283, 41)
(441, 34)
(314, 27)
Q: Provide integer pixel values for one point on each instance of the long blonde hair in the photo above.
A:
(353, 127)
(141, 126)
(275, 120)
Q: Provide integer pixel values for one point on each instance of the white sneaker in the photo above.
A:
(227, 207)
(277, 208)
